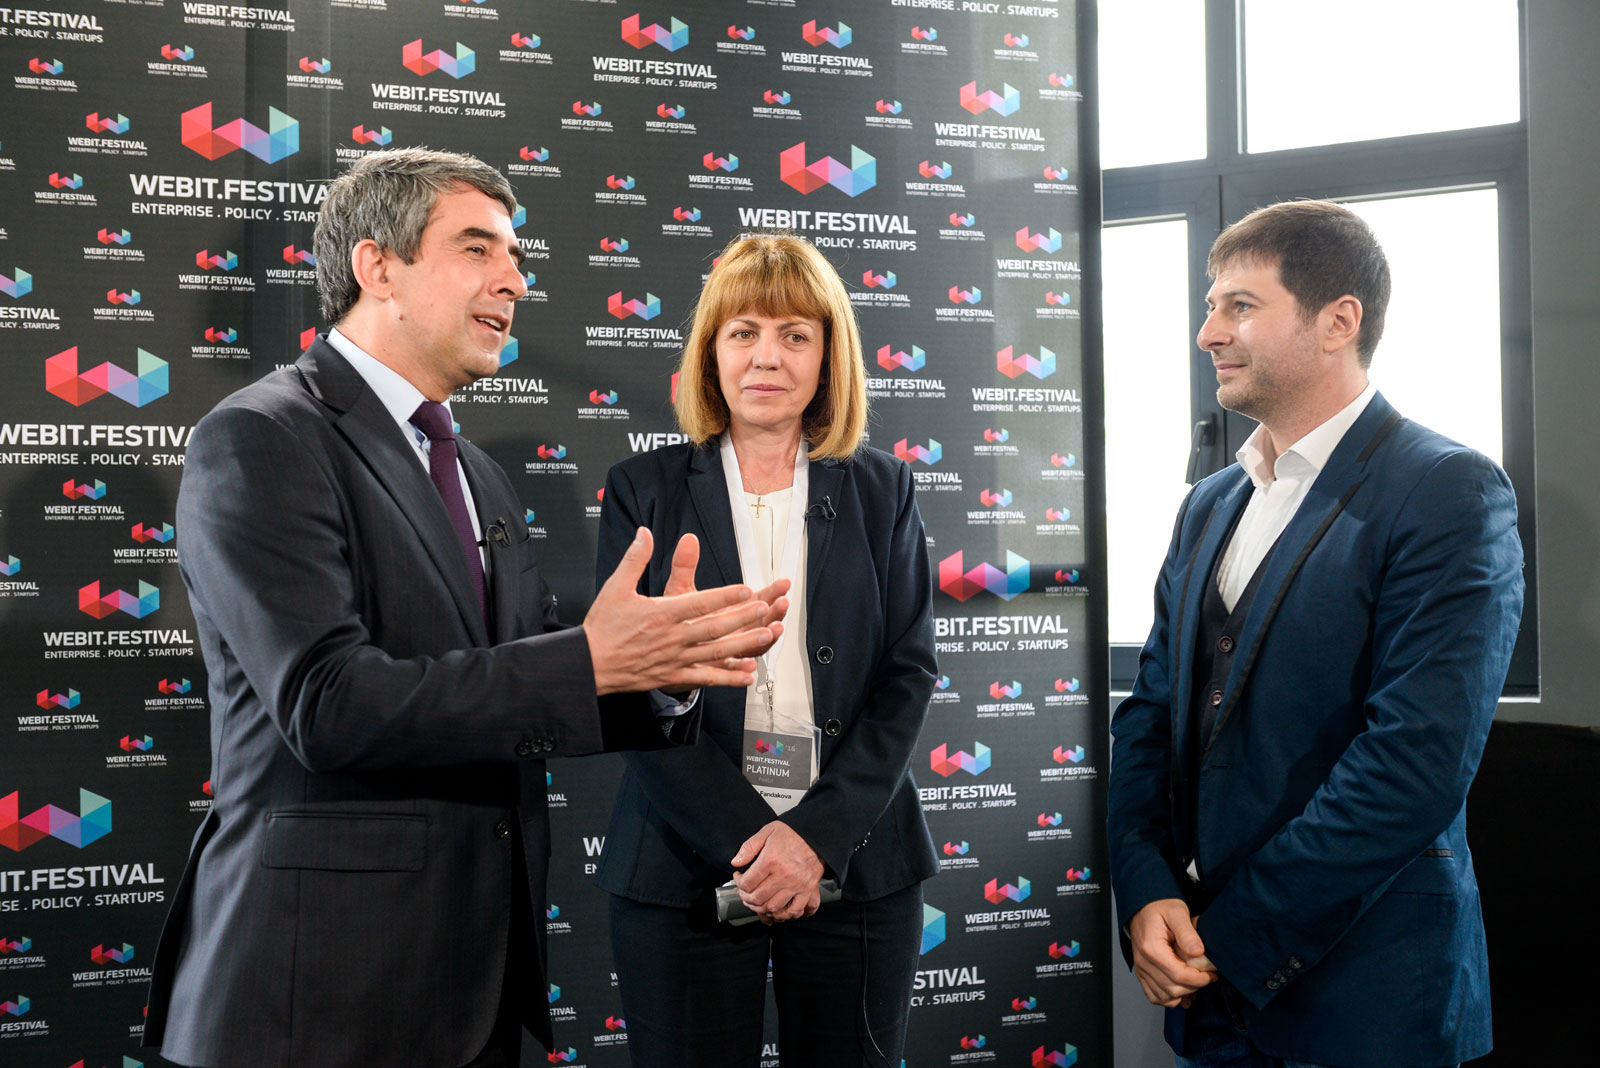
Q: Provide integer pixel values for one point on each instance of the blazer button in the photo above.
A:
(1225, 643)
(502, 829)
(832, 727)
(525, 748)
(1216, 698)
(548, 745)
(1273, 984)
(825, 654)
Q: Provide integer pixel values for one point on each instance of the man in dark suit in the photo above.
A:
(1333, 624)
(386, 669)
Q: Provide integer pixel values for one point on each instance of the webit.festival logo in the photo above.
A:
(915, 360)
(860, 176)
(1005, 102)
(463, 63)
(942, 763)
(962, 584)
(838, 37)
(655, 33)
(648, 308)
(994, 892)
(92, 602)
(103, 956)
(1066, 1058)
(61, 379)
(1013, 366)
(92, 823)
(20, 284)
(1049, 241)
(280, 140)
(929, 454)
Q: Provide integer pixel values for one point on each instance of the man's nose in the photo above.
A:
(1211, 335)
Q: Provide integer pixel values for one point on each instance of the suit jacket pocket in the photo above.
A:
(1433, 872)
(346, 842)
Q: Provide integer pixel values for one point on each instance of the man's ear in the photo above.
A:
(371, 266)
(1341, 323)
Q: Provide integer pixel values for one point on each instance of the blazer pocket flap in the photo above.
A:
(1434, 872)
(346, 842)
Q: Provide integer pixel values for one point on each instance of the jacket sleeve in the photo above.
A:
(267, 549)
(695, 787)
(871, 759)
(1446, 613)
(1139, 832)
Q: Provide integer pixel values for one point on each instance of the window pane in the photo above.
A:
(1148, 356)
(1326, 73)
(1152, 82)
(1439, 360)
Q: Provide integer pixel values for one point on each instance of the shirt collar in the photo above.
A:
(1309, 454)
(398, 395)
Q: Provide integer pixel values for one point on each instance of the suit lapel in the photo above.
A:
(366, 424)
(1346, 469)
(826, 479)
(708, 490)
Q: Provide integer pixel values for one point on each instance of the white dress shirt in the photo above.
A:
(1280, 488)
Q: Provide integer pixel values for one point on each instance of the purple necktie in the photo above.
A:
(433, 419)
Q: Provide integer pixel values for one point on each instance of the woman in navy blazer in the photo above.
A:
(772, 395)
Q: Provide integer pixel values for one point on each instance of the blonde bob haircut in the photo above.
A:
(777, 275)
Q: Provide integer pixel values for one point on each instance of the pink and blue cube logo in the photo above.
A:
(17, 1006)
(778, 97)
(1049, 241)
(18, 832)
(61, 379)
(296, 256)
(671, 111)
(534, 155)
(526, 40)
(1014, 366)
(991, 499)
(838, 36)
(553, 995)
(624, 183)
(591, 110)
(974, 1042)
(149, 532)
(888, 107)
(920, 34)
(315, 66)
(957, 849)
(745, 33)
(597, 397)
(647, 309)
(915, 360)
(15, 945)
(616, 1023)
(552, 912)
(853, 180)
(942, 683)
(964, 221)
(1066, 1057)
(962, 584)
(562, 1056)
(113, 237)
(363, 136)
(940, 171)
(1016, 40)
(944, 764)
(508, 355)
(686, 214)
(873, 280)
(932, 927)
(171, 686)
(207, 260)
(106, 124)
(1060, 81)
(129, 297)
(613, 244)
(102, 955)
(1057, 515)
(19, 284)
(1077, 875)
(1070, 949)
(131, 744)
(1054, 299)
(11, 566)
(51, 67)
(1027, 1004)
(47, 700)
(65, 181)
(73, 490)
(221, 335)
(1069, 460)
(930, 454)
(1002, 691)
(557, 452)
(714, 162)
(655, 33)
(1055, 174)
(763, 746)
(1049, 819)
(280, 140)
(994, 436)
(459, 65)
(92, 602)
(965, 295)
(995, 892)
(1004, 102)
(1068, 685)
(1068, 576)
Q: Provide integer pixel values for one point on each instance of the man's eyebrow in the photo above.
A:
(1230, 294)
(479, 233)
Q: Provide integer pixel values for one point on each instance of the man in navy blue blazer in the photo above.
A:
(1333, 624)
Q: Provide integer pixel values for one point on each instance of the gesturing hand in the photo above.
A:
(1164, 939)
(684, 638)
(781, 882)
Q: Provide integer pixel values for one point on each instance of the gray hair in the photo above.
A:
(388, 196)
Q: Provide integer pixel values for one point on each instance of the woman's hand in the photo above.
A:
(781, 881)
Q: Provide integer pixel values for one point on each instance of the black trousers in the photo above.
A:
(693, 990)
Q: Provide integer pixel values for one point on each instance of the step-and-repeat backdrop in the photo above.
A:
(161, 166)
